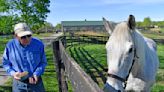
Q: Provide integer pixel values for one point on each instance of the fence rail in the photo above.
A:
(67, 67)
(95, 39)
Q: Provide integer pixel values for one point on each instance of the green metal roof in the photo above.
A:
(81, 23)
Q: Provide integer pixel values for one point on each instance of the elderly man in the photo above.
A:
(24, 59)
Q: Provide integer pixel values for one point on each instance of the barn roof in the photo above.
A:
(81, 23)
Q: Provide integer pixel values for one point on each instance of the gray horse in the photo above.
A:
(132, 59)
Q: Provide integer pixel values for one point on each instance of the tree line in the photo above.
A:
(147, 23)
(32, 12)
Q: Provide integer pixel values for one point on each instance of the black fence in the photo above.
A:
(79, 39)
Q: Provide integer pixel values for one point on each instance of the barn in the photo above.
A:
(72, 26)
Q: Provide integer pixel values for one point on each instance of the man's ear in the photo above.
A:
(108, 26)
(131, 22)
(15, 35)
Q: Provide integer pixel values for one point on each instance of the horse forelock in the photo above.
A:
(119, 42)
(121, 33)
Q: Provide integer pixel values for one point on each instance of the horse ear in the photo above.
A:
(131, 22)
(108, 26)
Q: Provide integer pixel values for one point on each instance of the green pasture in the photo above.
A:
(3, 44)
(154, 36)
(92, 58)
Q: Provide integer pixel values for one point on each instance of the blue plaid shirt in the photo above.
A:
(31, 58)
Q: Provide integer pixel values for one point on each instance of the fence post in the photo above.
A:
(59, 67)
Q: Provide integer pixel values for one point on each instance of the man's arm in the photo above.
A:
(6, 63)
(41, 67)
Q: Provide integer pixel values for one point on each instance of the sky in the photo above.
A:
(112, 10)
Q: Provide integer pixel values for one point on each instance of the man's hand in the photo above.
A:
(17, 76)
(36, 78)
(33, 80)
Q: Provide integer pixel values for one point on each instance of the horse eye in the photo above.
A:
(130, 50)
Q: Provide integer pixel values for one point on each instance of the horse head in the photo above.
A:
(120, 53)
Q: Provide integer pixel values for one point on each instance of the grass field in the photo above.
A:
(92, 58)
(3, 44)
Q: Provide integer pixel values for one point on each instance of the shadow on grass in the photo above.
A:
(88, 63)
(93, 63)
(50, 70)
(161, 58)
(81, 61)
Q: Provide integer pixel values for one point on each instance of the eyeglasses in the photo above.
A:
(26, 36)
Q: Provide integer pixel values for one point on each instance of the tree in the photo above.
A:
(4, 7)
(46, 27)
(139, 24)
(58, 26)
(147, 22)
(33, 12)
(160, 24)
(6, 24)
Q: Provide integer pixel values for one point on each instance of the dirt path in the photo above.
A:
(3, 76)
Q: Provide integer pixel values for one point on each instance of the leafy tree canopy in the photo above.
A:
(147, 22)
(33, 12)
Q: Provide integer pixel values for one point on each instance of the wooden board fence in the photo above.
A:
(66, 67)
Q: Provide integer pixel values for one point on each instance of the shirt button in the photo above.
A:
(25, 57)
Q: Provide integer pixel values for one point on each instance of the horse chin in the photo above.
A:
(109, 88)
